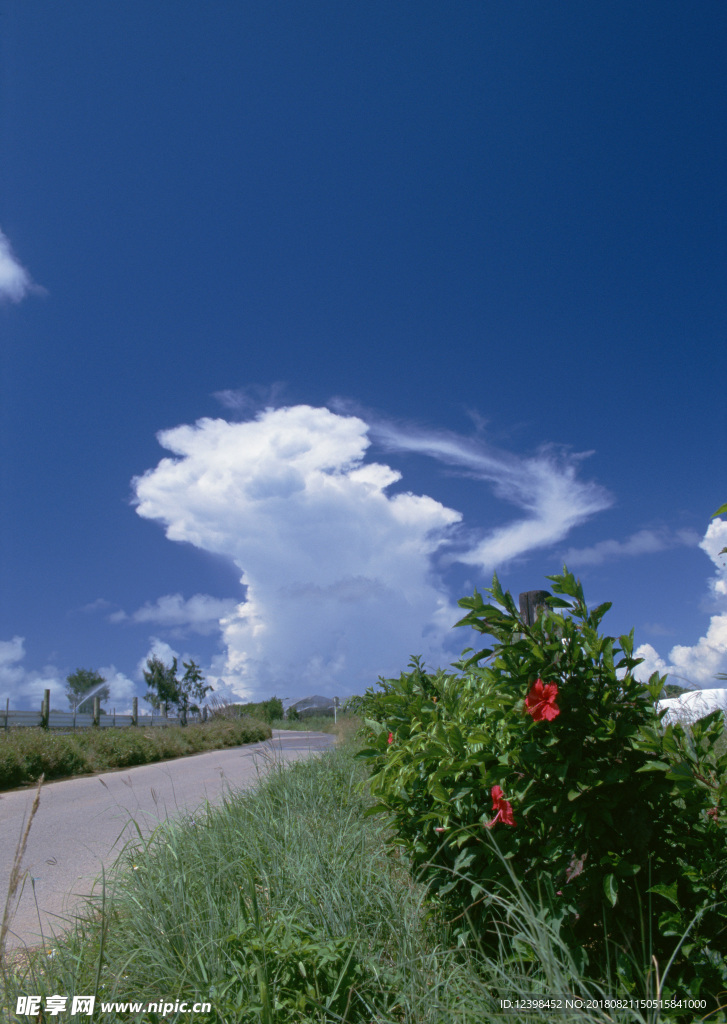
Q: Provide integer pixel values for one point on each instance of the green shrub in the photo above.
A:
(11, 765)
(26, 754)
(550, 764)
(266, 710)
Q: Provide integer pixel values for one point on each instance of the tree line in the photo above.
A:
(166, 689)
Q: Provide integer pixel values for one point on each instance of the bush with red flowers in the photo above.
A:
(544, 756)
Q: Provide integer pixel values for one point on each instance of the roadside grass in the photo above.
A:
(344, 727)
(284, 906)
(28, 754)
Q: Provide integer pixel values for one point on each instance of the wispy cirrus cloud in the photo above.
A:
(249, 400)
(15, 281)
(545, 486)
(643, 542)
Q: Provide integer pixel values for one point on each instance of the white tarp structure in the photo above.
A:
(688, 707)
(315, 705)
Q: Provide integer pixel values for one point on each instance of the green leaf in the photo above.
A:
(439, 792)
(669, 892)
(610, 888)
(464, 859)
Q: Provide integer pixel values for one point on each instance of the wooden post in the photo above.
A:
(45, 710)
(135, 711)
(7, 712)
(97, 711)
(531, 604)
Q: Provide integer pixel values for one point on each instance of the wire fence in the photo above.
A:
(69, 721)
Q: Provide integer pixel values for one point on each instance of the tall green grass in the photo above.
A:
(283, 906)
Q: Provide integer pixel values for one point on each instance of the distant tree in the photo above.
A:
(165, 689)
(191, 689)
(273, 709)
(672, 690)
(84, 681)
(293, 715)
(162, 684)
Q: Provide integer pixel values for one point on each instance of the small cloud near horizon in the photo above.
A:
(699, 665)
(15, 281)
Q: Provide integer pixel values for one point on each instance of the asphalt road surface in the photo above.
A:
(84, 823)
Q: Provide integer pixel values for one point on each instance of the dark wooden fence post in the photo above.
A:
(97, 711)
(531, 603)
(135, 711)
(45, 710)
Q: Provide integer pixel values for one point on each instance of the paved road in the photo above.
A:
(83, 823)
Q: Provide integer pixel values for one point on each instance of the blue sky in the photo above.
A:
(315, 315)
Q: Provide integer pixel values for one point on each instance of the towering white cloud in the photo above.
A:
(338, 573)
(15, 281)
(699, 664)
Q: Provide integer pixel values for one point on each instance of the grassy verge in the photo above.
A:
(26, 754)
(345, 726)
(283, 906)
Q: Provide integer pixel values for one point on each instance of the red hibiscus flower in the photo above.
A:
(540, 702)
(391, 738)
(502, 807)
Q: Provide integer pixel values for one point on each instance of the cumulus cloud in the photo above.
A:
(201, 613)
(643, 542)
(15, 281)
(25, 688)
(545, 486)
(697, 666)
(12, 653)
(713, 542)
(121, 690)
(340, 572)
(157, 649)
